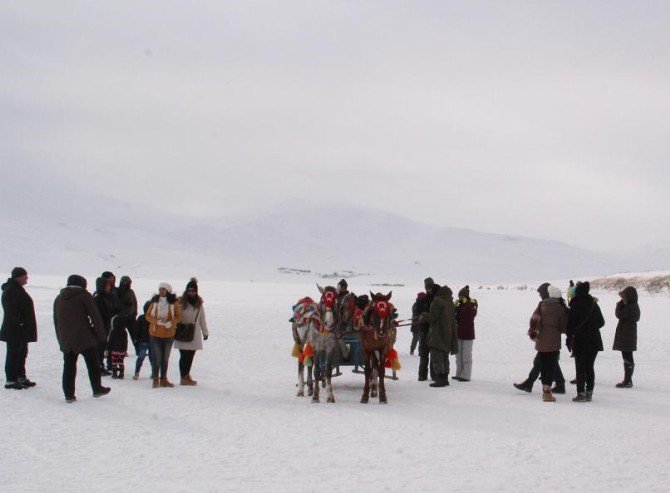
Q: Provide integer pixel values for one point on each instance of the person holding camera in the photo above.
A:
(163, 316)
(191, 331)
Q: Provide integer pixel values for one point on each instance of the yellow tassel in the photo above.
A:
(395, 365)
(297, 350)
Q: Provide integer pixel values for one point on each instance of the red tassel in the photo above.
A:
(308, 350)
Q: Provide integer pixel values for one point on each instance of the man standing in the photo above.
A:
(19, 327)
(128, 308)
(79, 330)
(424, 351)
(442, 334)
(466, 311)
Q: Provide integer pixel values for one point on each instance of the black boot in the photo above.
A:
(115, 374)
(440, 381)
(121, 373)
(559, 388)
(526, 386)
(628, 376)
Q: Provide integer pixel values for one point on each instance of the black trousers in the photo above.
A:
(424, 356)
(70, 370)
(548, 365)
(628, 356)
(185, 362)
(586, 375)
(15, 360)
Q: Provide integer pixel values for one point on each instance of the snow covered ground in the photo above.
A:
(242, 428)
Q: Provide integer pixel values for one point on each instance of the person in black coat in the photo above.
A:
(19, 327)
(424, 351)
(420, 306)
(584, 339)
(142, 341)
(105, 303)
(127, 307)
(625, 339)
(117, 346)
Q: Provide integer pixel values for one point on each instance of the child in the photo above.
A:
(142, 341)
(117, 345)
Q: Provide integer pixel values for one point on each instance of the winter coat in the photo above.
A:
(127, 303)
(188, 316)
(118, 336)
(551, 317)
(77, 320)
(164, 329)
(625, 338)
(142, 330)
(420, 306)
(105, 304)
(584, 323)
(442, 322)
(18, 323)
(466, 311)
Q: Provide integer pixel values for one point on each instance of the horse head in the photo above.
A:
(380, 313)
(327, 312)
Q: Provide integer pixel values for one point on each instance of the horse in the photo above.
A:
(324, 342)
(376, 334)
(304, 322)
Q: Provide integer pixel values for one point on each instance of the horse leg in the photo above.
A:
(329, 387)
(317, 378)
(368, 376)
(382, 386)
(375, 373)
(310, 381)
(301, 380)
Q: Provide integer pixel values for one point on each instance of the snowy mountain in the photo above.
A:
(83, 233)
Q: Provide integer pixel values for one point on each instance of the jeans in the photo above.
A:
(70, 370)
(160, 349)
(144, 350)
(185, 362)
(464, 359)
(15, 360)
(586, 375)
(537, 369)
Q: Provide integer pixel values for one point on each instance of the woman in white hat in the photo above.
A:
(163, 316)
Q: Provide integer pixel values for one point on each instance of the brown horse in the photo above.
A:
(375, 333)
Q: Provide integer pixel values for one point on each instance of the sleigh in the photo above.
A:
(355, 357)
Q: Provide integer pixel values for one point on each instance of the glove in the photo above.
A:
(532, 334)
(205, 336)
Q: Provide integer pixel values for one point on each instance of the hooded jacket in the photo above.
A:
(466, 311)
(625, 338)
(585, 321)
(19, 323)
(77, 320)
(127, 299)
(164, 329)
(105, 303)
(552, 321)
(442, 322)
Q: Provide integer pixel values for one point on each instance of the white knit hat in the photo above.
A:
(555, 292)
(165, 285)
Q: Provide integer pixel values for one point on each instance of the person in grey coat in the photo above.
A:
(79, 330)
(625, 339)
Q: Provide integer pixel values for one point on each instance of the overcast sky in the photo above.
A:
(546, 119)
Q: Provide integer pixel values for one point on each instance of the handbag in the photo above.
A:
(186, 332)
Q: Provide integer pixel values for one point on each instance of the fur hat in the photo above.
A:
(19, 272)
(165, 286)
(192, 284)
(76, 280)
(555, 292)
(464, 292)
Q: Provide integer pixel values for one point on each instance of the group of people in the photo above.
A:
(442, 327)
(98, 326)
(580, 319)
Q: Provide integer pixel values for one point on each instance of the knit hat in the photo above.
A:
(428, 282)
(192, 284)
(464, 292)
(165, 286)
(544, 290)
(421, 295)
(76, 280)
(555, 292)
(343, 283)
(19, 272)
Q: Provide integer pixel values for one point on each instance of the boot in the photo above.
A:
(559, 388)
(573, 382)
(102, 391)
(547, 396)
(187, 380)
(115, 374)
(136, 376)
(628, 376)
(155, 383)
(440, 381)
(14, 385)
(581, 397)
(121, 373)
(26, 382)
(526, 386)
(589, 395)
(166, 383)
